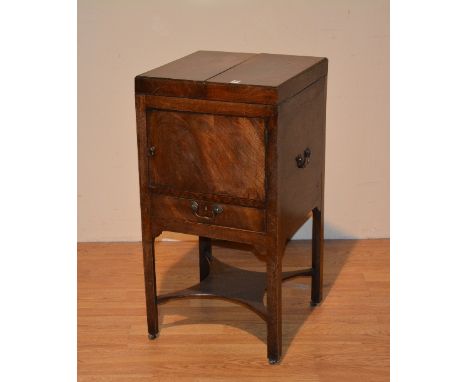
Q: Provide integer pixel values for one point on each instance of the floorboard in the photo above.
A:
(346, 338)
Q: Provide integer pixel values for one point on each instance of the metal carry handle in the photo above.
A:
(302, 160)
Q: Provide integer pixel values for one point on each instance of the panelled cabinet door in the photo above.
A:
(206, 154)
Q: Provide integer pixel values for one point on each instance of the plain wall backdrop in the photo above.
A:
(119, 39)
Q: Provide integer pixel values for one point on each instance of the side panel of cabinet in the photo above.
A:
(301, 126)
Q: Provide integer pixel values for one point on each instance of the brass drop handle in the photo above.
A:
(215, 210)
(151, 151)
(302, 160)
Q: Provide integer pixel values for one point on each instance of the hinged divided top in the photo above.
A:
(236, 77)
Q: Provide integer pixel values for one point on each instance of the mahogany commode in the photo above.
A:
(231, 146)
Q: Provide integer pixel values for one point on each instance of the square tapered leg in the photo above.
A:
(204, 256)
(274, 323)
(317, 257)
(150, 289)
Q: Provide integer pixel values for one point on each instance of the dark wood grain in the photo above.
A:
(301, 125)
(187, 194)
(204, 256)
(317, 257)
(235, 77)
(212, 107)
(274, 317)
(198, 66)
(167, 208)
(288, 74)
(270, 70)
(146, 226)
(206, 153)
(218, 159)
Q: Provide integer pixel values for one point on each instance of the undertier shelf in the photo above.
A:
(233, 284)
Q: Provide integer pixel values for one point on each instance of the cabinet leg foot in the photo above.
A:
(273, 360)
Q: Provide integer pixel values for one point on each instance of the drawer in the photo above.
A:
(170, 208)
(191, 154)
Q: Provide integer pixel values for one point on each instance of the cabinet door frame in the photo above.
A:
(227, 109)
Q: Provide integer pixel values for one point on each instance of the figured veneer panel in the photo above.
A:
(207, 154)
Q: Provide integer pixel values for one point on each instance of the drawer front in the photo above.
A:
(196, 153)
(165, 207)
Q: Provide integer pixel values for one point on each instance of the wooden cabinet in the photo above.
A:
(232, 146)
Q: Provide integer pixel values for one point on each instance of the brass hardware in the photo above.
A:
(194, 206)
(302, 160)
(151, 151)
(215, 210)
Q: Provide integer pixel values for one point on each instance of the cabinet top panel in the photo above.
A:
(198, 66)
(235, 77)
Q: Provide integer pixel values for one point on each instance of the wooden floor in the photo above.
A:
(346, 338)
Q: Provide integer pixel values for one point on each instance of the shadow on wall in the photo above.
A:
(296, 292)
(331, 232)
